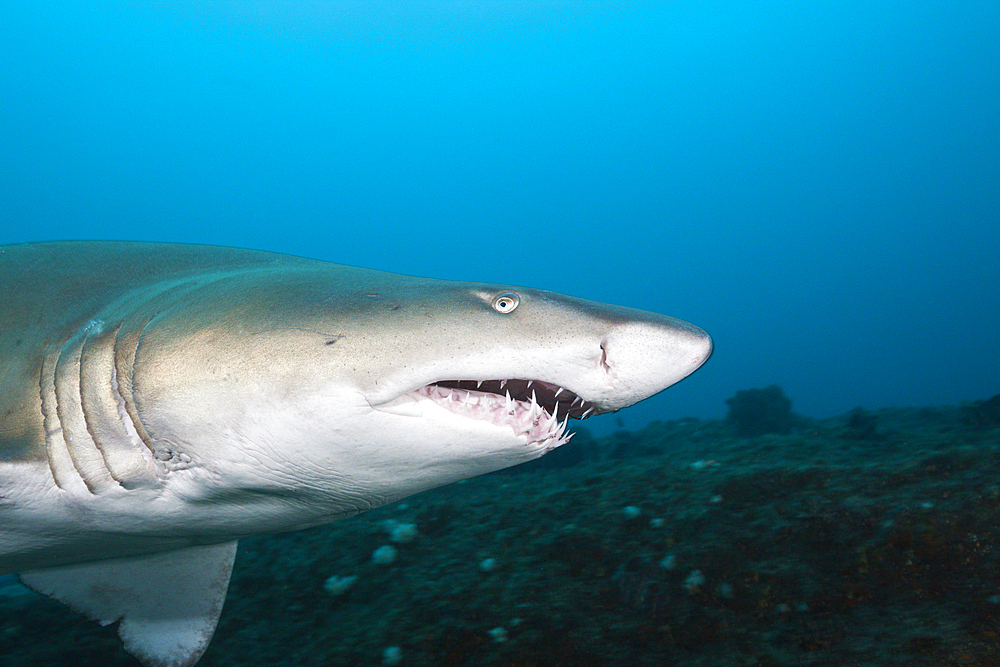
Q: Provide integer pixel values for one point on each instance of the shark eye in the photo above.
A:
(506, 302)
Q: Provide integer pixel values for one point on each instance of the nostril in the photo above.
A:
(604, 357)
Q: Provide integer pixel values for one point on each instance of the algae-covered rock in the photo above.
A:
(756, 412)
(861, 425)
(985, 414)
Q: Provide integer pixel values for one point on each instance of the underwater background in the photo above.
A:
(815, 184)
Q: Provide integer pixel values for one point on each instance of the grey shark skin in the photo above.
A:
(158, 402)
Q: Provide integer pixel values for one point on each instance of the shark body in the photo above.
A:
(158, 402)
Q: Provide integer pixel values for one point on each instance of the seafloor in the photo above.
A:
(868, 539)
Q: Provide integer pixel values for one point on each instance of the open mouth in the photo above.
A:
(531, 407)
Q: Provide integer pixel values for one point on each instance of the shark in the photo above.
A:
(158, 402)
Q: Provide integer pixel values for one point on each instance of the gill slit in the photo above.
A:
(52, 431)
(130, 418)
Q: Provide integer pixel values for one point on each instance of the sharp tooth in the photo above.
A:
(575, 400)
(503, 383)
(529, 384)
(479, 383)
(510, 405)
(558, 431)
(558, 391)
(552, 421)
(534, 406)
(589, 410)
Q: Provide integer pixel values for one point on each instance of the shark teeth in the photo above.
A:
(551, 397)
(528, 418)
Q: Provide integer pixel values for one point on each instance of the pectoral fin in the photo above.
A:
(168, 603)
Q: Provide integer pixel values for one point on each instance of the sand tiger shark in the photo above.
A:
(160, 401)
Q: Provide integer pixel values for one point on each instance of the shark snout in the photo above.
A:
(642, 358)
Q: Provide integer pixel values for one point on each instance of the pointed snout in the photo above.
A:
(644, 357)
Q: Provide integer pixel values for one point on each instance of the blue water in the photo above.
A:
(816, 184)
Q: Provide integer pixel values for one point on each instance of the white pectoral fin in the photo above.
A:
(168, 602)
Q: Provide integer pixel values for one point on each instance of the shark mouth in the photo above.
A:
(532, 408)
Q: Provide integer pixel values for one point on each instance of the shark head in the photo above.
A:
(162, 401)
(366, 387)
